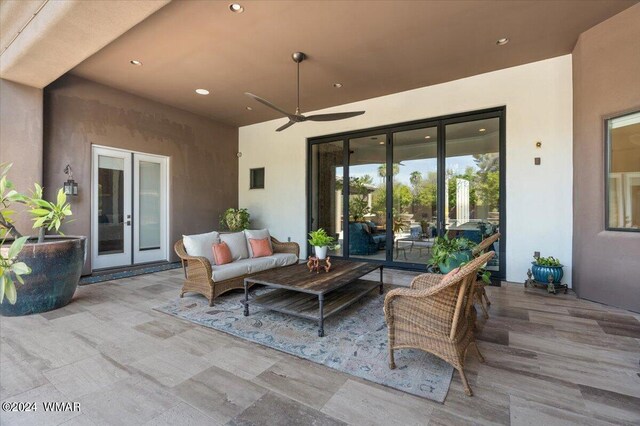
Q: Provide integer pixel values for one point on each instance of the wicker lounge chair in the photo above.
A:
(481, 293)
(435, 315)
(198, 272)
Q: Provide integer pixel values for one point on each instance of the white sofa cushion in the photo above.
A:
(257, 234)
(201, 244)
(283, 259)
(237, 243)
(242, 267)
(229, 270)
(260, 264)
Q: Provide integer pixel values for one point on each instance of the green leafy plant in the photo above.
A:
(547, 261)
(235, 219)
(47, 216)
(320, 238)
(11, 271)
(445, 249)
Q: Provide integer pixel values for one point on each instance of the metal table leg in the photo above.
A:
(381, 284)
(246, 298)
(321, 318)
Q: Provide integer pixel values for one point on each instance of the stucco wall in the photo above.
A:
(538, 99)
(21, 140)
(606, 80)
(202, 153)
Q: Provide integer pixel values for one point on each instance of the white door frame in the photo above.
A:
(144, 256)
(99, 261)
(131, 234)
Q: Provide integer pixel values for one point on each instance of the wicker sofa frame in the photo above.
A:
(198, 272)
(481, 293)
(436, 315)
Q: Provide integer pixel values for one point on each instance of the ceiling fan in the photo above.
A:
(297, 117)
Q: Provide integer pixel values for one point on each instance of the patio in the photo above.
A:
(549, 360)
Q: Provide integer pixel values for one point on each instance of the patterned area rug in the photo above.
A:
(355, 340)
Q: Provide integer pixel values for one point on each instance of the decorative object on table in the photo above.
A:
(316, 264)
(449, 253)
(47, 269)
(297, 117)
(322, 242)
(235, 219)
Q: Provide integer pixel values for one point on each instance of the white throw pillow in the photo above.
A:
(201, 244)
(257, 234)
(237, 244)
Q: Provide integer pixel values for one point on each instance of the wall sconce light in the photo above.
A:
(70, 186)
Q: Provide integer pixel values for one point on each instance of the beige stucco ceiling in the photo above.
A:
(372, 47)
(42, 39)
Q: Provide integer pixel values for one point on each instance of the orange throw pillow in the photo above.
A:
(260, 248)
(221, 253)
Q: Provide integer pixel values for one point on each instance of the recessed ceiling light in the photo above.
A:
(427, 137)
(236, 8)
(249, 108)
(135, 62)
(502, 41)
(202, 91)
(337, 85)
(482, 130)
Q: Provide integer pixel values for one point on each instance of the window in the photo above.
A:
(623, 173)
(256, 178)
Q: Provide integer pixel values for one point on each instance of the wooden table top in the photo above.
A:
(299, 278)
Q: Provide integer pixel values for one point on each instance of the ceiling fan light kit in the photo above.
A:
(297, 117)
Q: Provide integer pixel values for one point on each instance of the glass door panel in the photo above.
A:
(415, 194)
(150, 207)
(327, 173)
(472, 181)
(367, 211)
(111, 221)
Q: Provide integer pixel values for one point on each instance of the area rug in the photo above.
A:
(355, 340)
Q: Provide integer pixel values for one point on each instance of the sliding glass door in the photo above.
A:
(472, 181)
(409, 183)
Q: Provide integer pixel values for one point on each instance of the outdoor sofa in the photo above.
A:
(203, 276)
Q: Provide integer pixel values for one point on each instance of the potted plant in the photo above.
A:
(321, 242)
(449, 253)
(235, 219)
(47, 269)
(544, 267)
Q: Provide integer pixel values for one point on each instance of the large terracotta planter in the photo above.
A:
(56, 265)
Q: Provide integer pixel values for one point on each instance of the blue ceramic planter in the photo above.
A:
(459, 258)
(541, 273)
(56, 265)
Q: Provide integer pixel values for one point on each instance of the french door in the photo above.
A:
(386, 193)
(129, 216)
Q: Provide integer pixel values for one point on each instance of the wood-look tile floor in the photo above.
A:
(549, 360)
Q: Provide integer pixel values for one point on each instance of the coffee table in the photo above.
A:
(313, 295)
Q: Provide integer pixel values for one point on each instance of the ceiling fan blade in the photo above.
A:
(269, 104)
(334, 116)
(286, 126)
